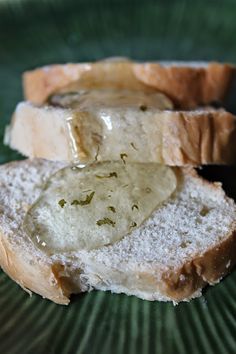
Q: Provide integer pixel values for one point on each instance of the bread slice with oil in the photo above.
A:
(188, 84)
(105, 125)
(187, 243)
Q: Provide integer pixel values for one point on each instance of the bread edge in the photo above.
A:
(208, 268)
(40, 277)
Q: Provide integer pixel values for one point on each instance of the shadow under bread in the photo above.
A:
(224, 174)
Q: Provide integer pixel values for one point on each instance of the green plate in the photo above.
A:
(33, 33)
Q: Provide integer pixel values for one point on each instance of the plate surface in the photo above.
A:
(34, 33)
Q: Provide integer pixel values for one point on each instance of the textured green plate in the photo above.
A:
(33, 33)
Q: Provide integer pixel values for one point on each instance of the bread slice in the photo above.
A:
(175, 138)
(188, 84)
(188, 242)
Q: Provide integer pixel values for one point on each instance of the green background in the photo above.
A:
(34, 33)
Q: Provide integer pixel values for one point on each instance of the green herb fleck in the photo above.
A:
(111, 174)
(134, 206)
(97, 152)
(105, 221)
(133, 224)
(123, 156)
(87, 200)
(148, 190)
(111, 208)
(133, 146)
(62, 203)
(143, 107)
(204, 211)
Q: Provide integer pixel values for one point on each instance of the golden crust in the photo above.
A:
(198, 137)
(187, 86)
(207, 268)
(40, 277)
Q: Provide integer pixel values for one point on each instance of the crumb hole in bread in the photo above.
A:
(198, 221)
(185, 244)
(204, 211)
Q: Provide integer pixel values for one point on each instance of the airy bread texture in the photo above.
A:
(175, 138)
(186, 84)
(186, 243)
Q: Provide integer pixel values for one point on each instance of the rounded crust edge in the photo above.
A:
(198, 137)
(188, 86)
(208, 268)
(39, 277)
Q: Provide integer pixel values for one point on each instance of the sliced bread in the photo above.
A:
(188, 242)
(188, 84)
(142, 132)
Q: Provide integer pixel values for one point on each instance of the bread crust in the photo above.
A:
(31, 271)
(208, 268)
(188, 86)
(39, 277)
(199, 137)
